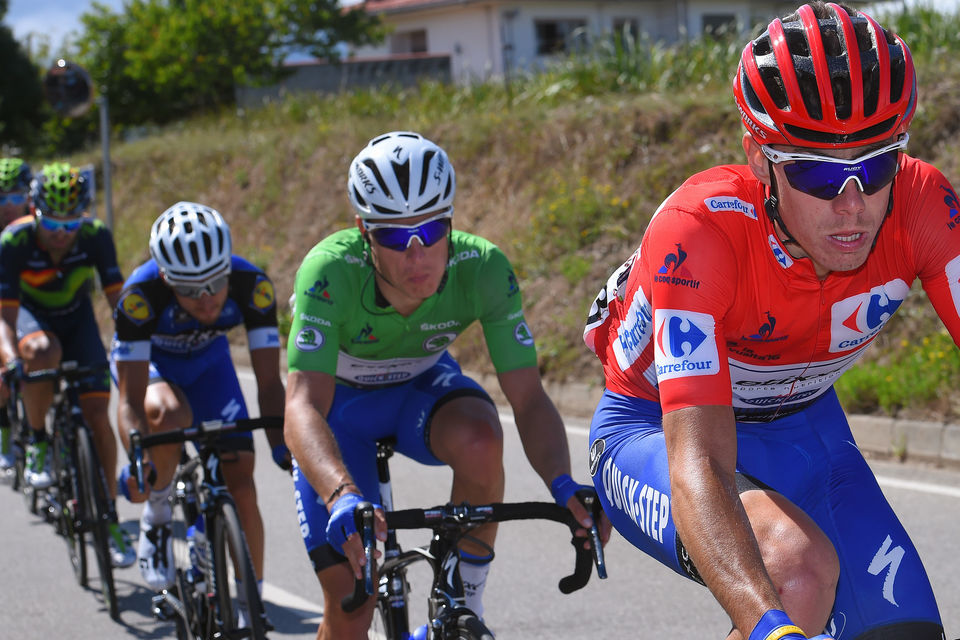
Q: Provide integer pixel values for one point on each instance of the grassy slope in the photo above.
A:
(564, 186)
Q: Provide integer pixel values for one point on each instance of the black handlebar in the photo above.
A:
(208, 429)
(465, 515)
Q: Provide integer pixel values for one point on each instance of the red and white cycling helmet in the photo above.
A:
(401, 175)
(831, 80)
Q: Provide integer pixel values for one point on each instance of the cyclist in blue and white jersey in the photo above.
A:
(172, 364)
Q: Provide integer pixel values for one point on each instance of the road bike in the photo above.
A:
(213, 587)
(448, 617)
(77, 503)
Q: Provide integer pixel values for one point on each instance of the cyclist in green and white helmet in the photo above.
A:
(15, 179)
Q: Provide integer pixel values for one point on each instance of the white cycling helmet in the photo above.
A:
(190, 243)
(401, 175)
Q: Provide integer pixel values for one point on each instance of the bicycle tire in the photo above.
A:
(72, 503)
(230, 552)
(197, 619)
(467, 626)
(97, 516)
(381, 627)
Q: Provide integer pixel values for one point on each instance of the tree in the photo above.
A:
(21, 96)
(163, 59)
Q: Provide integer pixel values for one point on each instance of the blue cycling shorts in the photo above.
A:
(79, 339)
(360, 417)
(811, 459)
(210, 383)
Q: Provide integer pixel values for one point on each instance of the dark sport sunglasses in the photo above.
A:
(824, 177)
(398, 237)
(56, 224)
(12, 198)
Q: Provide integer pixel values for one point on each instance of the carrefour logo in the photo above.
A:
(685, 344)
(854, 321)
(727, 203)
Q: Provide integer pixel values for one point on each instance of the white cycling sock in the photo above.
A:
(473, 572)
(158, 509)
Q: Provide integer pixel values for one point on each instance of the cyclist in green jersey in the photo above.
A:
(376, 307)
(15, 179)
(49, 263)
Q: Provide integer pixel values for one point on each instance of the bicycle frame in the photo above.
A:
(210, 499)
(449, 524)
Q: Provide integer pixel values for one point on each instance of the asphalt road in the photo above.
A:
(640, 599)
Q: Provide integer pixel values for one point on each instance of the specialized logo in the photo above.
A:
(836, 625)
(857, 319)
(438, 342)
(365, 336)
(136, 308)
(888, 559)
(648, 507)
(596, 451)
(685, 344)
(782, 257)
(727, 203)
(319, 291)
(672, 272)
(231, 410)
(953, 206)
(522, 334)
(263, 297)
(309, 339)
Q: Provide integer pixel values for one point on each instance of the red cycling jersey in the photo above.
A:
(713, 310)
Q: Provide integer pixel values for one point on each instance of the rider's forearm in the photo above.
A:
(129, 418)
(313, 445)
(714, 528)
(544, 438)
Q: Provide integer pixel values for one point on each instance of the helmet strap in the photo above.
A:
(772, 206)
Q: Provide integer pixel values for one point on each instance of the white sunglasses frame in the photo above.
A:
(777, 157)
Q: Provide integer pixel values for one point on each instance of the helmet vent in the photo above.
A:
(402, 171)
(425, 172)
(370, 164)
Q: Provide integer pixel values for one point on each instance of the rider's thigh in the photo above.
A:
(798, 556)
(337, 582)
(466, 431)
(166, 407)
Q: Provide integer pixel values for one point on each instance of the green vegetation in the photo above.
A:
(562, 169)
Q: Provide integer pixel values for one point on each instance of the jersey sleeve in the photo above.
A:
(692, 270)
(508, 336)
(135, 320)
(934, 227)
(257, 300)
(320, 299)
(105, 256)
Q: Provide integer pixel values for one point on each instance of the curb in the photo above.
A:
(936, 443)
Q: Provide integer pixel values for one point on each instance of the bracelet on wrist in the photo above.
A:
(336, 492)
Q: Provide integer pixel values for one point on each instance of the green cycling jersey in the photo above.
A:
(341, 325)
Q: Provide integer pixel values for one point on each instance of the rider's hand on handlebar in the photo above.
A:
(775, 622)
(568, 493)
(127, 482)
(342, 530)
(281, 456)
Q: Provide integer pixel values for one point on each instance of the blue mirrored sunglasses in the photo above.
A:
(198, 291)
(398, 237)
(12, 198)
(56, 224)
(825, 177)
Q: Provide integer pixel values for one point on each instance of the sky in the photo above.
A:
(57, 18)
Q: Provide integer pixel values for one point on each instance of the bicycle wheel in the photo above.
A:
(96, 516)
(232, 558)
(70, 505)
(196, 619)
(468, 626)
(380, 627)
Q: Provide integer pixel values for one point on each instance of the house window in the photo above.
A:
(623, 26)
(559, 36)
(409, 41)
(719, 24)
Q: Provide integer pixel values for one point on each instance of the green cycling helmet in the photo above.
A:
(14, 175)
(60, 190)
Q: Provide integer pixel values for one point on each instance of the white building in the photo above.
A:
(487, 38)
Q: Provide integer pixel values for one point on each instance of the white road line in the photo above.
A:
(925, 487)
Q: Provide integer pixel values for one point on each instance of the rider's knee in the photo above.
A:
(41, 352)
(475, 442)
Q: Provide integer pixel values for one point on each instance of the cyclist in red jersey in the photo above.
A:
(719, 447)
